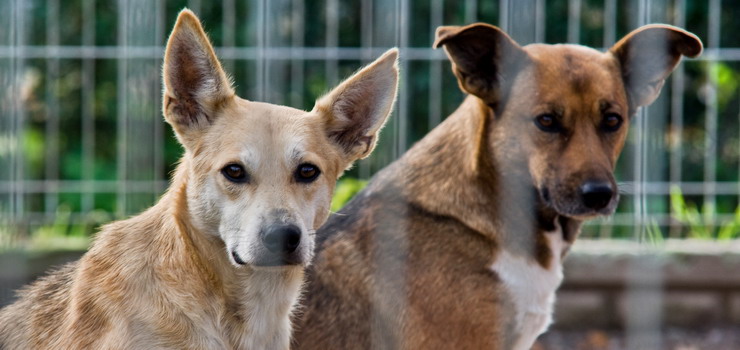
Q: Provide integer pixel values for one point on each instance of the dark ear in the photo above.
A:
(648, 55)
(484, 59)
(356, 110)
(195, 85)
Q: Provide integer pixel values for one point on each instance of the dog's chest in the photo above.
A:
(532, 288)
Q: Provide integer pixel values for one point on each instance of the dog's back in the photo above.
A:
(39, 314)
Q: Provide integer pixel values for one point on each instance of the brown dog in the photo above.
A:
(218, 263)
(458, 244)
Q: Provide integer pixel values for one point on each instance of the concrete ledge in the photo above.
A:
(622, 284)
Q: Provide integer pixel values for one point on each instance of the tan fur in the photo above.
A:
(458, 244)
(168, 278)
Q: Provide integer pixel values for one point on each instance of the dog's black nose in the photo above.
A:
(282, 238)
(596, 195)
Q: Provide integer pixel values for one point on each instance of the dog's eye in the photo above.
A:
(611, 122)
(307, 172)
(547, 123)
(235, 173)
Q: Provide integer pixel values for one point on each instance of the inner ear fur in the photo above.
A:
(356, 110)
(195, 85)
(647, 57)
(484, 59)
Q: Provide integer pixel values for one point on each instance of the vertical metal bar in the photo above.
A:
(435, 69)
(332, 41)
(610, 23)
(267, 85)
(639, 134)
(710, 121)
(540, 21)
(51, 161)
(574, 21)
(471, 11)
(523, 27)
(610, 33)
(260, 63)
(297, 70)
(403, 96)
(18, 69)
(643, 318)
(228, 28)
(122, 108)
(88, 107)
(677, 90)
(160, 166)
(366, 23)
(366, 40)
(503, 15)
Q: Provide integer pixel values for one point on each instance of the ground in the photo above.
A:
(670, 339)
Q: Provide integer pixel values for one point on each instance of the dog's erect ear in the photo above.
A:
(195, 85)
(484, 58)
(357, 109)
(648, 55)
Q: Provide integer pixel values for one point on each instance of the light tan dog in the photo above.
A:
(218, 263)
(458, 244)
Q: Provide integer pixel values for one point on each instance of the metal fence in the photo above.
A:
(81, 127)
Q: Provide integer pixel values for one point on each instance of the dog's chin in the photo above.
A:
(277, 268)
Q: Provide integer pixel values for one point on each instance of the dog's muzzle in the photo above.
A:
(280, 244)
(590, 198)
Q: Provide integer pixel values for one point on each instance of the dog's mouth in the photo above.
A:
(270, 260)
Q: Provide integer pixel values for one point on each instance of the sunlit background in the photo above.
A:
(82, 139)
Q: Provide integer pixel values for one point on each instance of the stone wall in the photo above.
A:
(624, 285)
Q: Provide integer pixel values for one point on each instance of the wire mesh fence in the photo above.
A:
(81, 132)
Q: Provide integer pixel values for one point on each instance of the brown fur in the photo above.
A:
(418, 259)
(169, 278)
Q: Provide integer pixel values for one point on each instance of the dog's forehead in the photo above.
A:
(564, 71)
(260, 121)
(572, 63)
(260, 133)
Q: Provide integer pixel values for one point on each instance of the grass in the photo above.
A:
(700, 222)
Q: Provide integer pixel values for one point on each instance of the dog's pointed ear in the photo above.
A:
(484, 59)
(195, 85)
(647, 57)
(356, 110)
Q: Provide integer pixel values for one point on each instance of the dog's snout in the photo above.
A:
(596, 195)
(282, 239)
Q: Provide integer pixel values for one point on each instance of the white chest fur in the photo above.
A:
(268, 300)
(532, 288)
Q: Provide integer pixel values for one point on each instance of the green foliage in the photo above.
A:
(346, 189)
(62, 234)
(653, 234)
(699, 221)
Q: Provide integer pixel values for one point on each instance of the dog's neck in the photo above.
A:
(494, 200)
